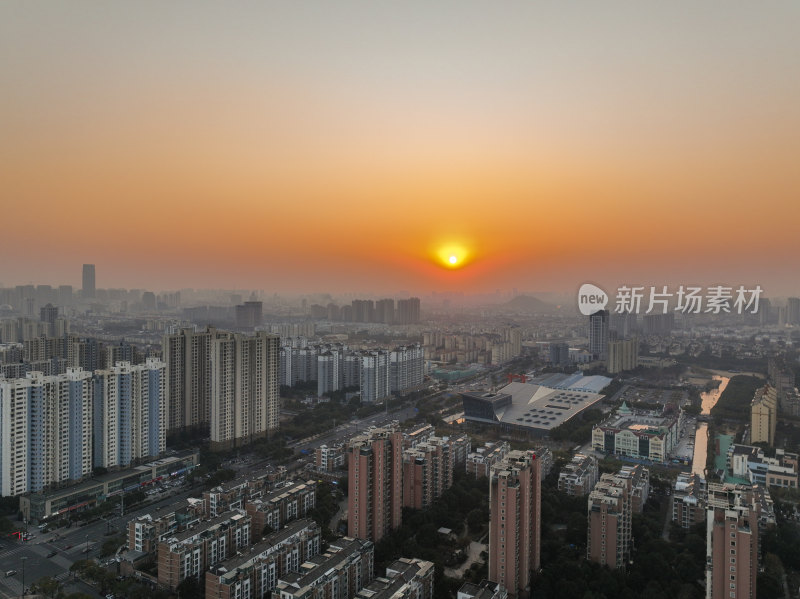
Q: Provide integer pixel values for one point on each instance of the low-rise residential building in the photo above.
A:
(193, 551)
(277, 508)
(405, 579)
(579, 476)
(233, 493)
(480, 461)
(330, 458)
(484, 590)
(145, 532)
(255, 573)
(341, 572)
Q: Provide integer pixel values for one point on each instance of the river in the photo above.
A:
(707, 401)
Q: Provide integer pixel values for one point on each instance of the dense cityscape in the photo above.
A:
(237, 444)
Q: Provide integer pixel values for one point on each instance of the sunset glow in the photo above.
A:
(201, 146)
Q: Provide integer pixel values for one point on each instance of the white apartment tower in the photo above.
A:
(45, 430)
(406, 367)
(328, 371)
(130, 407)
(374, 376)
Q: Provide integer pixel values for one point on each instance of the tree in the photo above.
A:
(190, 588)
(49, 587)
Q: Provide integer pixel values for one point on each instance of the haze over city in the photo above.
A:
(345, 147)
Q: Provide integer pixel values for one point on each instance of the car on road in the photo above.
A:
(10, 573)
(53, 553)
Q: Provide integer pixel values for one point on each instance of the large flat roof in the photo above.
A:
(535, 406)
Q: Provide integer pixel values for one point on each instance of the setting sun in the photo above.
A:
(451, 255)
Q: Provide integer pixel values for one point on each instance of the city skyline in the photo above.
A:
(352, 147)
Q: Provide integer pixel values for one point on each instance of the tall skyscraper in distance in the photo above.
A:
(48, 314)
(515, 520)
(731, 542)
(793, 310)
(88, 288)
(249, 314)
(598, 334)
(375, 483)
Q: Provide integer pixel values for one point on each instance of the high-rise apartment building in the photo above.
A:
(375, 483)
(610, 510)
(384, 311)
(407, 311)
(48, 314)
(249, 314)
(375, 380)
(731, 542)
(188, 358)
(45, 430)
(130, 406)
(598, 334)
(427, 472)
(328, 373)
(88, 288)
(793, 310)
(764, 415)
(515, 520)
(406, 367)
(244, 388)
(191, 552)
(623, 354)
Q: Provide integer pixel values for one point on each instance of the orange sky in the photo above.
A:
(289, 149)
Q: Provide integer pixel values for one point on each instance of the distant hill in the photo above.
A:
(526, 303)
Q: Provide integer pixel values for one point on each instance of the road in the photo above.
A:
(68, 543)
(350, 429)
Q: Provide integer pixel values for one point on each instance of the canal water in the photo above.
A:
(707, 401)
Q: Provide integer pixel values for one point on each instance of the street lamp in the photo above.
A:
(86, 551)
(22, 559)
